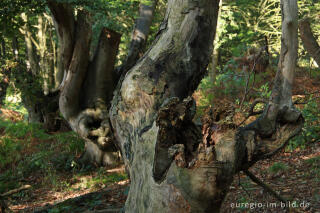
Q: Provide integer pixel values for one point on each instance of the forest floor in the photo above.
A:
(47, 163)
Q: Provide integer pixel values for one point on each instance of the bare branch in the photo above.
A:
(309, 41)
(139, 36)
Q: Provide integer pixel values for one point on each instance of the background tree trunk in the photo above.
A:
(139, 36)
(309, 41)
(40, 102)
(4, 81)
(215, 53)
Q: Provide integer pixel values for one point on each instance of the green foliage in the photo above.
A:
(242, 203)
(311, 129)
(247, 23)
(8, 150)
(265, 91)
(278, 167)
(26, 149)
(20, 130)
(315, 161)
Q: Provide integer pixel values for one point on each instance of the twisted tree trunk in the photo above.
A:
(174, 167)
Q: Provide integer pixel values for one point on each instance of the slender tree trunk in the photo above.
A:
(15, 47)
(214, 61)
(139, 36)
(3, 48)
(42, 105)
(4, 78)
(309, 41)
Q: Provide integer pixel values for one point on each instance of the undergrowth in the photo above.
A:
(30, 155)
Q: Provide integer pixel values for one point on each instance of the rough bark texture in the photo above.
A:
(173, 165)
(309, 41)
(173, 67)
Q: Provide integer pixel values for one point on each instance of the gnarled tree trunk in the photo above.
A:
(174, 167)
(309, 41)
(87, 87)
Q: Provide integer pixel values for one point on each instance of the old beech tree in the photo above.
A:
(147, 113)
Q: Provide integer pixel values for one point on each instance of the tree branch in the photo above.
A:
(309, 41)
(64, 22)
(69, 102)
(101, 80)
(139, 36)
(24, 187)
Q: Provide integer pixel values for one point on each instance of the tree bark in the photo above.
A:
(173, 165)
(172, 68)
(309, 41)
(215, 52)
(4, 78)
(42, 105)
(65, 26)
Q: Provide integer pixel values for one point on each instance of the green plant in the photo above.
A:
(277, 167)
(71, 141)
(265, 91)
(311, 129)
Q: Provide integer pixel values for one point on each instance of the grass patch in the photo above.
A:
(278, 167)
(27, 151)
